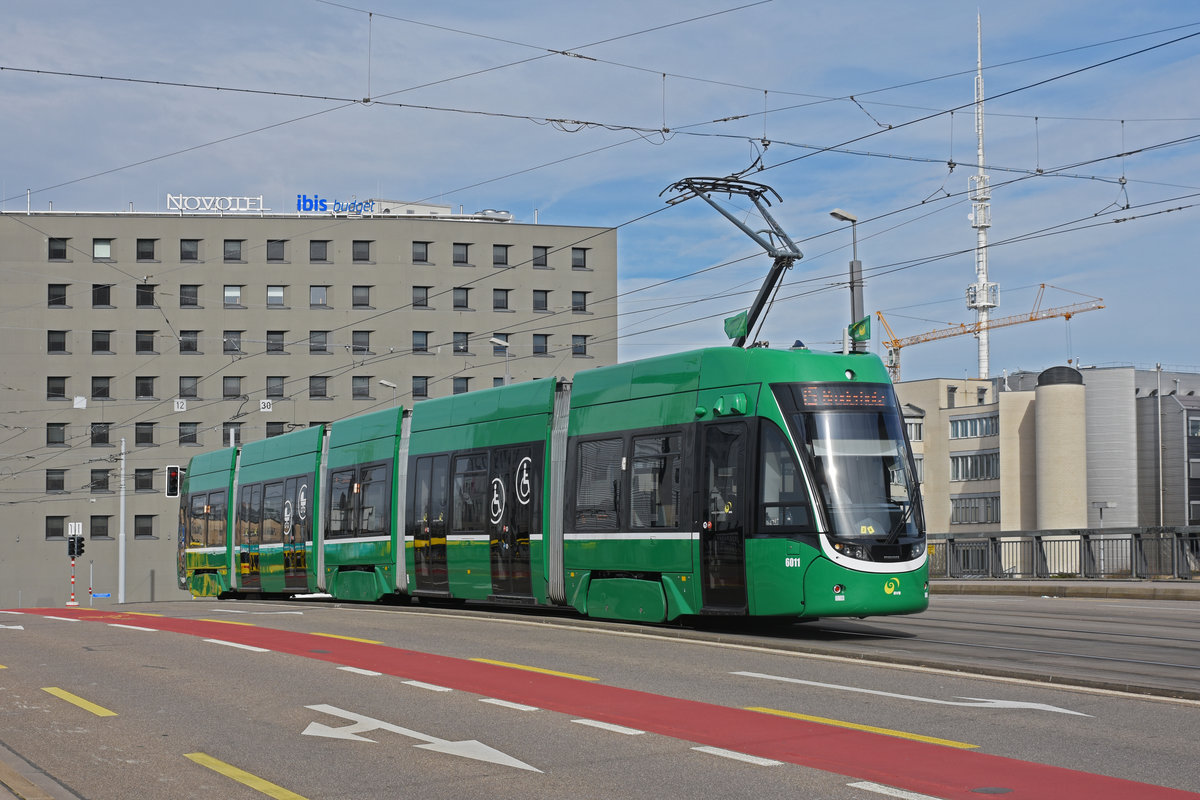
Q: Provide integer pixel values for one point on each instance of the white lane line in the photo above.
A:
(62, 619)
(368, 672)
(132, 627)
(508, 704)
(879, 788)
(608, 726)
(433, 687)
(12, 612)
(249, 647)
(749, 759)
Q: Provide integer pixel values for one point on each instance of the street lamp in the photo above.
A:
(391, 386)
(856, 282)
(498, 342)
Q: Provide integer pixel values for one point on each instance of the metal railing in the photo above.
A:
(1114, 554)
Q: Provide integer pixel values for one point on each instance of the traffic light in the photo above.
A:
(71, 546)
(78, 546)
(173, 481)
(74, 545)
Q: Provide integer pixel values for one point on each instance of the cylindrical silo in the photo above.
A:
(1061, 449)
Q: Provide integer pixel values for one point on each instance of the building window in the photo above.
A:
(275, 341)
(579, 301)
(498, 381)
(541, 256)
(915, 430)
(420, 386)
(975, 466)
(360, 250)
(462, 253)
(275, 385)
(462, 342)
(420, 252)
(102, 341)
(500, 349)
(101, 387)
(981, 396)
(56, 341)
(1193, 424)
(231, 387)
(231, 434)
(56, 387)
(233, 297)
(189, 341)
(102, 249)
(360, 387)
(57, 250)
(499, 255)
(981, 509)
(143, 387)
(143, 341)
(143, 480)
(145, 249)
(462, 385)
(500, 299)
(189, 386)
(318, 250)
(276, 249)
(360, 342)
(318, 341)
(189, 295)
(420, 297)
(318, 386)
(919, 464)
(56, 527)
(56, 295)
(462, 297)
(275, 297)
(579, 345)
(56, 434)
(143, 526)
(98, 529)
(56, 480)
(318, 296)
(420, 341)
(276, 429)
(143, 433)
(360, 296)
(100, 433)
(579, 259)
(189, 433)
(232, 341)
(102, 295)
(541, 299)
(233, 250)
(189, 249)
(951, 391)
(974, 427)
(541, 344)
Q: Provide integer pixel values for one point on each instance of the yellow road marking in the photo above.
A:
(63, 694)
(244, 778)
(535, 669)
(871, 728)
(348, 638)
(228, 622)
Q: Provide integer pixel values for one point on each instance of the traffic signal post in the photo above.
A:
(75, 547)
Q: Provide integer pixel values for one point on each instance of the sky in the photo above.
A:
(584, 113)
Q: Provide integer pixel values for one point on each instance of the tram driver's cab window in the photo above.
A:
(784, 499)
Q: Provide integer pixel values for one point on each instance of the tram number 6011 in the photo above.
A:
(793, 562)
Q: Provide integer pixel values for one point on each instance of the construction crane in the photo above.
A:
(894, 343)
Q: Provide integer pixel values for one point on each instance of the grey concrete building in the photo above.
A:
(220, 320)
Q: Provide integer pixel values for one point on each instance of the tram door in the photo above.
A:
(512, 517)
(249, 521)
(723, 519)
(430, 512)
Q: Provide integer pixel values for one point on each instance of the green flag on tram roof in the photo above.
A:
(735, 326)
(861, 330)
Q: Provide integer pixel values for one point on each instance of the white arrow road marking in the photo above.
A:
(13, 627)
(361, 724)
(972, 702)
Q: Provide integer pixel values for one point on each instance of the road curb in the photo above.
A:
(1110, 591)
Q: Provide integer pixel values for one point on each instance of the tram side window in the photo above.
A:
(374, 509)
(598, 485)
(272, 522)
(198, 521)
(470, 492)
(654, 487)
(249, 514)
(430, 497)
(216, 519)
(341, 503)
(784, 501)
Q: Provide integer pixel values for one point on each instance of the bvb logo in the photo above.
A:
(891, 586)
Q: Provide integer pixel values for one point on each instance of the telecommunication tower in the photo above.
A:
(982, 295)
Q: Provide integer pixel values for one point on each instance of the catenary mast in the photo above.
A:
(982, 296)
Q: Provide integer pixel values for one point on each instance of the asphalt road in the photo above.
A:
(325, 700)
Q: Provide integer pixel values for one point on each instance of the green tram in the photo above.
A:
(720, 481)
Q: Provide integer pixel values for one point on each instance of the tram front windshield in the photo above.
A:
(854, 438)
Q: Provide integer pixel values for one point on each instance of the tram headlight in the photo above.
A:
(851, 550)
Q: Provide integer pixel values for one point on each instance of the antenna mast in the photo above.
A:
(983, 295)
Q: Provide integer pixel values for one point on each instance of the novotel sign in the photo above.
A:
(226, 204)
